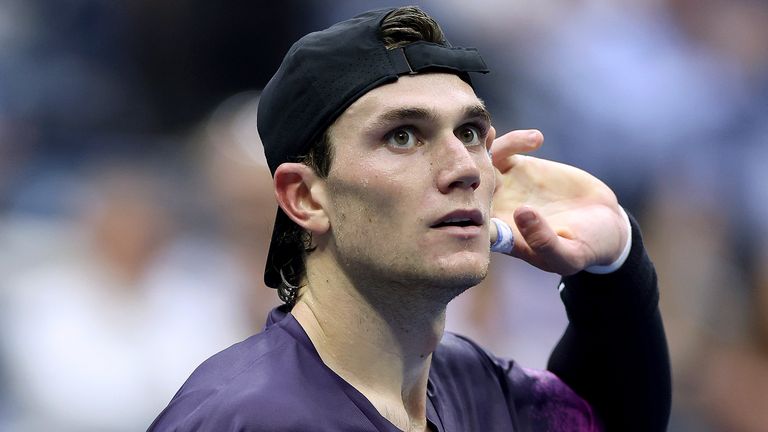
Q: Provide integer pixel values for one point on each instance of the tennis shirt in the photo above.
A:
(613, 353)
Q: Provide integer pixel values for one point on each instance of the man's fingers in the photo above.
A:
(517, 141)
(539, 236)
(542, 246)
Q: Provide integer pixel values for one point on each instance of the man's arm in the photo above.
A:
(614, 352)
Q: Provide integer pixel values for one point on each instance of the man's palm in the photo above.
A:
(576, 217)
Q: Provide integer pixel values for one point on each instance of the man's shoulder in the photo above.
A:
(461, 351)
(244, 362)
(245, 386)
(476, 377)
(459, 356)
(463, 363)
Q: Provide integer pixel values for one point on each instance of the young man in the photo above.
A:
(381, 157)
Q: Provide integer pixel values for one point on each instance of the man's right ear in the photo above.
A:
(299, 192)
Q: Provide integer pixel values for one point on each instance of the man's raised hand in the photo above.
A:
(564, 219)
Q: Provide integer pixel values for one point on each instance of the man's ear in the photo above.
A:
(299, 190)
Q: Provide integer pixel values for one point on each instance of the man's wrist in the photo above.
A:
(505, 239)
(615, 265)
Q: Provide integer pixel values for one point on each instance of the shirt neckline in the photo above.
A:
(280, 317)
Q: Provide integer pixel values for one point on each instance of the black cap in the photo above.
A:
(321, 76)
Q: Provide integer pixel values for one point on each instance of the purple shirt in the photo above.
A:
(276, 381)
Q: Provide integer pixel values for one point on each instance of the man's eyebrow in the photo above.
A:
(400, 114)
(424, 114)
(478, 111)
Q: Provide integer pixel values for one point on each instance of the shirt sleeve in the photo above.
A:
(614, 351)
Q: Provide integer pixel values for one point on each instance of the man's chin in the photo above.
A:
(458, 276)
(464, 264)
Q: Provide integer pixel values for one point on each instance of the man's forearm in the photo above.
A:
(614, 351)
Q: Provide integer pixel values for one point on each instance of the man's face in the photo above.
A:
(411, 183)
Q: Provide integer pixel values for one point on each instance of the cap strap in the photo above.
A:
(421, 55)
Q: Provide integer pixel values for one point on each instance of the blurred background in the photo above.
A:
(136, 206)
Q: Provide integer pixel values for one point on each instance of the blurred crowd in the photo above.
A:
(136, 205)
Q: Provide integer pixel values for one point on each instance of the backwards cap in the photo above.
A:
(321, 76)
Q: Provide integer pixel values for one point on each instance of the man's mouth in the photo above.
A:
(460, 218)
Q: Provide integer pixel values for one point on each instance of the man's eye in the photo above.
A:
(402, 138)
(469, 135)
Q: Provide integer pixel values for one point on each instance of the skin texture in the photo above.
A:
(379, 190)
(406, 155)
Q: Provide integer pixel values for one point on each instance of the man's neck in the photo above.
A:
(381, 346)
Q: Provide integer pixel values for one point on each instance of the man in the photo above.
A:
(380, 152)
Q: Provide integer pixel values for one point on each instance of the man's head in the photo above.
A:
(323, 117)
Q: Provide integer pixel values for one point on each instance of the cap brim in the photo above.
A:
(278, 254)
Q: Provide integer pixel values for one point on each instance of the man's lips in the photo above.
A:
(466, 218)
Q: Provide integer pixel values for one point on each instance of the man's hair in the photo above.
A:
(401, 27)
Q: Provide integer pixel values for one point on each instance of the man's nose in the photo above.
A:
(457, 165)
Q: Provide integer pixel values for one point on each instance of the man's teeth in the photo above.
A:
(456, 220)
